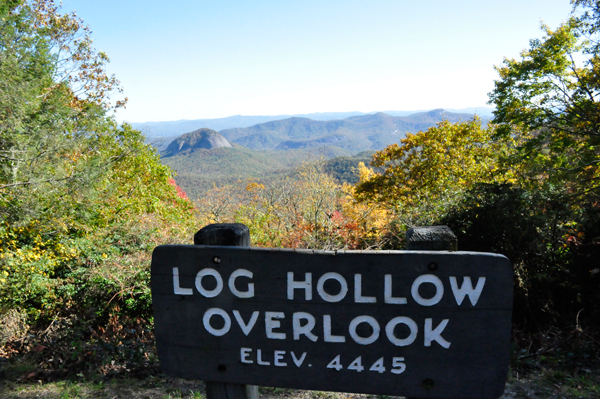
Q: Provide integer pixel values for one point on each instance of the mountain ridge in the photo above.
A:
(353, 134)
(155, 129)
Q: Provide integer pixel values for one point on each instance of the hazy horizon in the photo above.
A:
(406, 112)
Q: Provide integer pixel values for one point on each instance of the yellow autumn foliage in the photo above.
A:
(430, 169)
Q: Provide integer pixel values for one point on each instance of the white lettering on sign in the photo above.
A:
(435, 334)
(305, 329)
(327, 336)
(399, 365)
(432, 279)
(216, 331)
(387, 292)
(467, 289)
(176, 288)
(358, 298)
(246, 328)
(370, 321)
(259, 358)
(209, 293)
(407, 321)
(271, 324)
(378, 366)
(244, 353)
(335, 364)
(356, 365)
(332, 276)
(278, 359)
(305, 285)
(460, 292)
(304, 323)
(298, 360)
(249, 293)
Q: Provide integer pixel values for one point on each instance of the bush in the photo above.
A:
(551, 242)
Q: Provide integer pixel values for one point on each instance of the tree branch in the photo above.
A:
(29, 183)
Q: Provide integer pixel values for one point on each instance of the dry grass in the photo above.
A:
(545, 384)
(150, 388)
(13, 325)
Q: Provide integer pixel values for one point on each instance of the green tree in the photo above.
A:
(547, 103)
(74, 185)
(548, 99)
(52, 112)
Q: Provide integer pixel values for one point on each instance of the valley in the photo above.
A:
(274, 148)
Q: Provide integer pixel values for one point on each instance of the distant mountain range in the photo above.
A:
(352, 135)
(203, 157)
(177, 128)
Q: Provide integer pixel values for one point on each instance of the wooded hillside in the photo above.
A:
(274, 148)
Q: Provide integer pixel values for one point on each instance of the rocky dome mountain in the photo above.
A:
(201, 138)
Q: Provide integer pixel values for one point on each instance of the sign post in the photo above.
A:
(236, 235)
(422, 324)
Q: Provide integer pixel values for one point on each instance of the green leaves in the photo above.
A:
(548, 100)
(70, 177)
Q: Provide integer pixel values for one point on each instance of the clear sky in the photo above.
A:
(193, 59)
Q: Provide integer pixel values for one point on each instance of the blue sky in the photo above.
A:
(193, 59)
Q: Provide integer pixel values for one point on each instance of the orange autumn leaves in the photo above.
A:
(306, 210)
(417, 182)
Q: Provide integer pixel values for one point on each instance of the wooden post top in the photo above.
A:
(431, 238)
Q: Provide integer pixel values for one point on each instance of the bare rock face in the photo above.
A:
(201, 138)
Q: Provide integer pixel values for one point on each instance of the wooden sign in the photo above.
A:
(420, 324)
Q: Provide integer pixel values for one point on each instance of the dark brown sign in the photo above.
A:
(418, 324)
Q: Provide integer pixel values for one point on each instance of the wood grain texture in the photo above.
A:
(474, 365)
